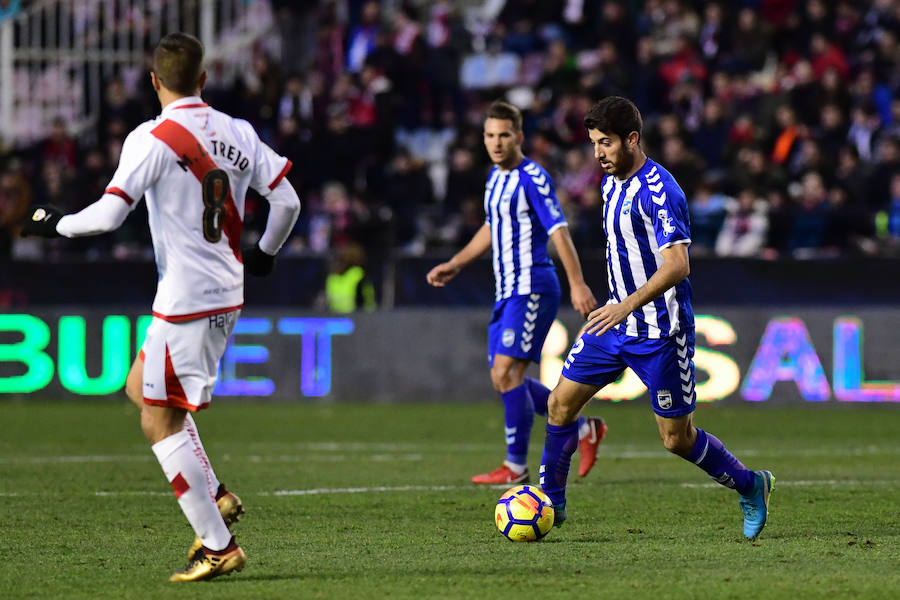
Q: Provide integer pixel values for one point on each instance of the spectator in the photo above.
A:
(407, 190)
(60, 148)
(15, 198)
(712, 134)
(465, 181)
(891, 216)
(362, 36)
(745, 227)
(707, 209)
(811, 217)
(789, 130)
(347, 287)
(118, 105)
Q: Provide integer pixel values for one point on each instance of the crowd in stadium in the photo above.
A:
(779, 118)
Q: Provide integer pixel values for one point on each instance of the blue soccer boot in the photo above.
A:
(756, 504)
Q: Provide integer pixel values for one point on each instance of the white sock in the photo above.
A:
(515, 468)
(211, 479)
(185, 471)
(583, 430)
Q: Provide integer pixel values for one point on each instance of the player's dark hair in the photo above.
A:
(615, 114)
(178, 62)
(505, 111)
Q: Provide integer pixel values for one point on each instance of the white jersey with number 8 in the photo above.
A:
(194, 165)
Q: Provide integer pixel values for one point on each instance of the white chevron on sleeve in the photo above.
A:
(540, 180)
(656, 187)
(653, 179)
(544, 190)
(661, 199)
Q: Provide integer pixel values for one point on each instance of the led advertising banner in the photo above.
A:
(798, 356)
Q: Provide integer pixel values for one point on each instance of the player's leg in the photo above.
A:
(508, 378)
(566, 402)
(592, 363)
(230, 505)
(591, 430)
(707, 452)
(519, 325)
(134, 383)
(666, 366)
(179, 371)
(186, 472)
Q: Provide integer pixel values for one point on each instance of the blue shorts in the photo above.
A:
(519, 325)
(665, 366)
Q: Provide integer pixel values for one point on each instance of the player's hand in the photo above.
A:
(582, 299)
(257, 262)
(606, 317)
(441, 274)
(42, 222)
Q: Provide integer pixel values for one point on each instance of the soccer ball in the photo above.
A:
(524, 514)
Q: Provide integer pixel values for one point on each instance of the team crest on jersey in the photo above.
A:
(626, 207)
(666, 221)
(664, 399)
(509, 337)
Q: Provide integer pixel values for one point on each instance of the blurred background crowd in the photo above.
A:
(779, 118)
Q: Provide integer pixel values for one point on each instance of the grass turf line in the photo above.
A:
(634, 530)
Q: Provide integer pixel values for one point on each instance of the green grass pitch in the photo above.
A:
(369, 501)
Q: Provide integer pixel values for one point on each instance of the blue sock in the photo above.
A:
(711, 455)
(558, 450)
(519, 418)
(540, 395)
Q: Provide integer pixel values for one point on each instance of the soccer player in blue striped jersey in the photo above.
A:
(522, 215)
(647, 324)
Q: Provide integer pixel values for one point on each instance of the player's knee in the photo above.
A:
(150, 427)
(558, 410)
(157, 424)
(504, 379)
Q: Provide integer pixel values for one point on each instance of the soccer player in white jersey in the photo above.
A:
(522, 214)
(648, 323)
(194, 165)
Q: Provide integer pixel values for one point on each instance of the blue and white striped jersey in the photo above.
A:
(522, 211)
(643, 215)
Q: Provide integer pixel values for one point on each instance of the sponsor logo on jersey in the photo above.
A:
(666, 221)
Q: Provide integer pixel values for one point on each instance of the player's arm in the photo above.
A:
(269, 179)
(284, 208)
(582, 298)
(140, 165)
(675, 268)
(106, 214)
(478, 245)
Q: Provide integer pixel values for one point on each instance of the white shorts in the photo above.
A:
(181, 360)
